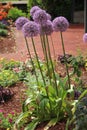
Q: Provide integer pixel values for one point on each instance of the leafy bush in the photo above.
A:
(9, 64)
(7, 121)
(8, 78)
(80, 115)
(3, 32)
(14, 13)
(3, 26)
(54, 7)
(43, 101)
(61, 8)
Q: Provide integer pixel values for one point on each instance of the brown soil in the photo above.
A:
(15, 103)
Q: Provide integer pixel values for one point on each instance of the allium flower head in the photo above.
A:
(33, 10)
(40, 17)
(30, 29)
(20, 22)
(60, 24)
(47, 28)
(85, 37)
(48, 16)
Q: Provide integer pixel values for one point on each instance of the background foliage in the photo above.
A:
(54, 7)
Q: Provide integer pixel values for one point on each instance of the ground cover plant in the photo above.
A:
(7, 120)
(51, 98)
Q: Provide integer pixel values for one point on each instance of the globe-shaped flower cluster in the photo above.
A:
(20, 22)
(33, 10)
(41, 23)
(85, 37)
(46, 28)
(30, 29)
(60, 24)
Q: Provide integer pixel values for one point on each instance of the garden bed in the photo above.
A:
(51, 94)
(14, 104)
(19, 89)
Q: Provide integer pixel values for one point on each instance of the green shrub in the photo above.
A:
(8, 78)
(54, 7)
(2, 26)
(58, 8)
(7, 120)
(9, 64)
(3, 32)
(42, 103)
(14, 13)
(80, 115)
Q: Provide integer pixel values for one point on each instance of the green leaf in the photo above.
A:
(52, 122)
(28, 101)
(67, 124)
(62, 83)
(22, 116)
(32, 125)
(43, 105)
(52, 91)
(71, 91)
(83, 94)
(59, 103)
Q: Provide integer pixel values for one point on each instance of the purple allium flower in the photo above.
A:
(48, 16)
(20, 22)
(40, 17)
(33, 10)
(46, 28)
(31, 29)
(60, 24)
(85, 37)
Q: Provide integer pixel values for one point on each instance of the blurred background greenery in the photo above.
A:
(54, 7)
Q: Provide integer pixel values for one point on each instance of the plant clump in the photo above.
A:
(3, 32)
(5, 94)
(7, 120)
(14, 13)
(8, 78)
(80, 115)
(50, 97)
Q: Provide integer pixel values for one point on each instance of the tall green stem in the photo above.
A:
(46, 58)
(41, 38)
(53, 47)
(31, 59)
(52, 65)
(38, 61)
(67, 70)
(41, 72)
(49, 99)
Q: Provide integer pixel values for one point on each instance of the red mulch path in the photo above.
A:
(13, 47)
(73, 40)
